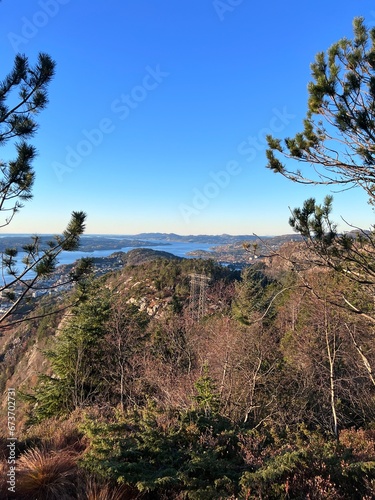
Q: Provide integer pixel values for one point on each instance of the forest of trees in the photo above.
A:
(269, 395)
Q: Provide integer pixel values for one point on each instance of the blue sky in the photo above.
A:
(158, 111)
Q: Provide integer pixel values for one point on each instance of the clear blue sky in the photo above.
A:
(154, 104)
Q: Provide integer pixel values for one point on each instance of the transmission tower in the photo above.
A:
(198, 287)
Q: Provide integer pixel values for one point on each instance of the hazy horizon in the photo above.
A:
(151, 233)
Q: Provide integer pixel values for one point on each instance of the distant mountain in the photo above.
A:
(103, 242)
(88, 243)
(220, 239)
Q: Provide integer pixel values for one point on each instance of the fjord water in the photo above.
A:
(180, 249)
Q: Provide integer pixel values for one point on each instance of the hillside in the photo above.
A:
(156, 282)
(142, 386)
(142, 255)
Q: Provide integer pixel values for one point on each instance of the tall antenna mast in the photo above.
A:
(198, 288)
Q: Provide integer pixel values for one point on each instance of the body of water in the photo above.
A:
(180, 249)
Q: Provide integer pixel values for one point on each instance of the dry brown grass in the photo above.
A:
(3, 478)
(93, 489)
(3, 448)
(47, 468)
(47, 474)
(56, 434)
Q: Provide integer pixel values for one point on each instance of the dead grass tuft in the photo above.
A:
(56, 434)
(47, 474)
(94, 490)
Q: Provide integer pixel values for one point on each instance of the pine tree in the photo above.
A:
(339, 128)
(76, 358)
(17, 125)
(338, 143)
